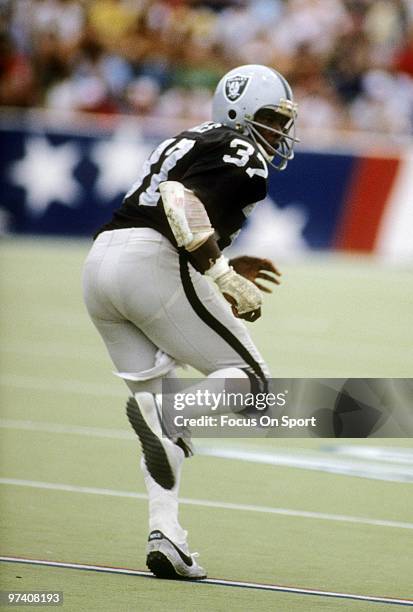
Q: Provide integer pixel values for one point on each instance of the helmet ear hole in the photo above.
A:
(232, 114)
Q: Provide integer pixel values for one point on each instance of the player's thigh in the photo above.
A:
(128, 347)
(196, 325)
(143, 280)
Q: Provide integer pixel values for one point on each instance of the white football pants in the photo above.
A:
(143, 296)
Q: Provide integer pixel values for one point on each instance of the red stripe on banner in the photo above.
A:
(366, 200)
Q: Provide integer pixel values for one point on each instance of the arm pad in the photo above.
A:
(186, 215)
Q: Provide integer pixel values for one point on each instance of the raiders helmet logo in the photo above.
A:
(235, 86)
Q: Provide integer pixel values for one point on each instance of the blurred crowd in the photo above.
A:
(350, 62)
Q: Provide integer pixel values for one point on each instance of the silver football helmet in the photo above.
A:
(249, 98)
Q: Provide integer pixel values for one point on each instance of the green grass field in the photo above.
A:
(70, 486)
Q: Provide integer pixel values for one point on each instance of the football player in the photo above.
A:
(160, 291)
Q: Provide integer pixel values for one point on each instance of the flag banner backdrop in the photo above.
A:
(66, 180)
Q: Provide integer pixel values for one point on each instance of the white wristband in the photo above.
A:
(219, 268)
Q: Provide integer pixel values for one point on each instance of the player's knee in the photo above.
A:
(241, 382)
(258, 377)
(231, 372)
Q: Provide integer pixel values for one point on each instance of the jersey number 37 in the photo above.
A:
(242, 155)
(169, 152)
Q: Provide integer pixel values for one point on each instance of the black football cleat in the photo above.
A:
(162, 456)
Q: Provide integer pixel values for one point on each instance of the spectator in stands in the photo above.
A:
(163, 56)
(404, 58)
(17, 83)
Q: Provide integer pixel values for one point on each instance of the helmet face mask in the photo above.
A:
(275, 133)
(258, 102)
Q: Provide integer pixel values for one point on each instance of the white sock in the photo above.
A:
(163, 505)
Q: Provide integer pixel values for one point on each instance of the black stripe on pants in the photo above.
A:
(213, 323)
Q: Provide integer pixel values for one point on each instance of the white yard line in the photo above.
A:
(321, 462)
(57, 385)
(324, 345)
(78, 430)
(51, 349)
(403, 455)
(323, 516)
(390, 465)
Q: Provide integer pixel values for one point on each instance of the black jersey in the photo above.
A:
(224, 169)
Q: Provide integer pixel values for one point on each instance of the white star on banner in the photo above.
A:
(273, 231)
(119, 161)
(46, 174)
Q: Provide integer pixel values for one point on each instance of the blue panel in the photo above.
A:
(68, 215)
(317, 183)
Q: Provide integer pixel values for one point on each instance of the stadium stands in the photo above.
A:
(351, 66)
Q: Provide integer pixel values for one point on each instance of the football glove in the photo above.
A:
(245, 294)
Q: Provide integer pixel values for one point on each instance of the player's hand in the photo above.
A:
(239, 291)
(254, 268)
(250, 316)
